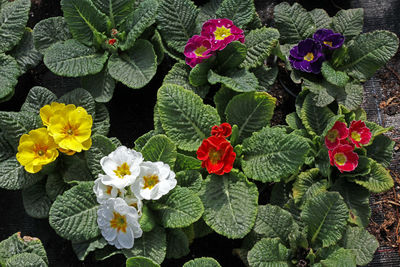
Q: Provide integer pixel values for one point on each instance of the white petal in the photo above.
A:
(125, 239)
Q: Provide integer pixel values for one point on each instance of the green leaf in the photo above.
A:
(75, 169)
(13, 18)
(294, 121)
(202, 262)
(321, 18)
(294, 23)
(325, 217)
(260, 43)
(84, 20)
(190, 179)
(362, 243)
(230, 204)
(340, 258)
(74, 214)
(50, 31)
(136, 67)
(266, 76)
(176, 21)
(307, 185)
(26, 260)
(222, 98)
(101, 123)
(348, 22)
(180, 208)
(82, 249)
(231, 56)
(198, 75)
(36, 202)
(37, 98)
(14, 177)
(241, 12)
(80, 98)
(55, 185)
(352, 96)
(147, 220)
(323, 93)
(333, 76)
(378, 180)
(240, 81)
(269, 252)
(73, 59)
(271, 154)
(101, 147)
(140, 262)
(177, 244)
(25, 53)
(152, 245)
(9, 72)
(158, 46)
(250, 112)
(116, 10)
(368, 53)
(184, 117)
(376, 129)
(6, 150)
(381, 150)
(160, 148)
(101, 85)
(184, 162)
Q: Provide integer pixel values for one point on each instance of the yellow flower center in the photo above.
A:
(70, 132)
(122, 170)
(221, 33)
(119, 222)
(328, 43)
(109, 189)
(309, 56)
(332, 135)
(214, 155)
(150, 181)
(40, 150)
(340, 159)
(355, 136)
(200, 51)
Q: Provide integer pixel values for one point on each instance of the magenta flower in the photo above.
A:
(329, 39)
(307, 56)
(359, 133)
(338, 132)
(343, 158)
(221, 32)
(197, 49)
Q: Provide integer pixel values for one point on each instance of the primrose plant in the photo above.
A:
(102, 42)
(330, 56)
(17, 52)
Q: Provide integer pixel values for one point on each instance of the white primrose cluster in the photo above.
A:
(128, 180)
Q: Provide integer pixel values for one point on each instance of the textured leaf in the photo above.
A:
(55, 185)
(190, 179)
(378, 180)
(352, 96)
(136, 67)
(198, 75)
(13, 18)
(340, 258)
(76, 169)
(376, 129)
(314, 118)
(321, 19)
(202, 262)
(160, 148)
(142, 140)
(307, 185)
(9, 72)
(101, 147)
(26, 260)
(239, 81)
(337, 78)
(260, 43)
(266, 76)
(221, 100)
(73, 59)
(294, 121)
(178, 209)
(14, 177)
(36, 202)
(230, 204)
(140, 262)
(381, 150)
(152, 245)
(325, 216)
(101, 122)
(184, 162)
(74, 214)
(271, 154)
(231, 56)
(147, 220)
(369, 52)
(37, 98)
(269, 252)
(250, 112)
(349, 22)
(116, 10)
(177, 244)
(294, 23)
(25, 53)
(84, 20)
(241, 12)
(80, 98)
(184, 117)
(158, 46)
(176, 21)
(6, 150)
(82, 249)
(101, 85)
(50, 31)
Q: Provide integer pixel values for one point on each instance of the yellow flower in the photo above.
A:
(48, 111)
(36, 149)
(71, 128)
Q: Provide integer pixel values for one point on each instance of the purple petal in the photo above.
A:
(294, 52)
(336, 39)
(316, 66)
(321, 34)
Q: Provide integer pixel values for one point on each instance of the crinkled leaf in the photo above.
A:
(376, 129)
(80, 98)
(269, 252)
(101, 85)
(140, 262)
(6, 150)
(184, 162)
(184, 117)
(240, 81)
(190, 179)
(352, 96)
(37, 98)
(307, 185)
(160, 148)
(198, 75)
(333, 76)
(55, 185)
(271, 154)
(101, 147)
(25, 53)
(73, 59)
(158, 46)
(75, 169)
(202, 262)
(378, 180)
(381, 150)
(266, 76)
(147, 220)
(241, 12)
(221, 100)
(294, 121)
(116, 10)
(101, 122)
(82, 249)
(348, 22)
(9, 72)
(26, 260)
(231, 56)
(177, 244)
(321, 19)
(36, 202)
(230, 204)
(142, 140)
(14, 177)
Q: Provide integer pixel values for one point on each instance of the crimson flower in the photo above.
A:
(338, 132)
(112, 41)
(359, 133)
(223, 130)
(216, 154)
(221, 32)
(197, 49)
(344, 158)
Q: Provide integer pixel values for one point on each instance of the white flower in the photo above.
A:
(104, 192)
(135, 202)
(122, 167)
(155, 180)
(119, 223)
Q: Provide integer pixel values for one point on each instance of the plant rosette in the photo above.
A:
(102, 43)
(330, 56)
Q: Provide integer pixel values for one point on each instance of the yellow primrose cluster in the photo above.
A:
(68, 130)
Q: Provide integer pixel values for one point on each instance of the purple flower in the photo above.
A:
(221, 32)
(307, 56)
(329, 39)
(197, 49)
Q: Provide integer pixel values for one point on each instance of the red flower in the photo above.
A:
(112, 41)
(223, 130)
(344, 158)
(338, 132)
(217, 155)
(359, 133)
(221, 32)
